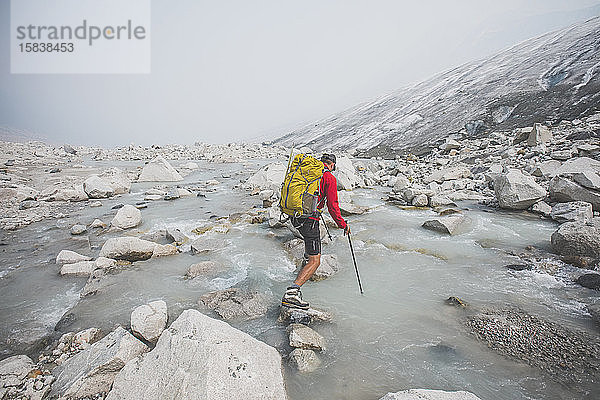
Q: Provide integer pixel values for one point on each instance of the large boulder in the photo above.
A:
(70, 257)
(127, 217)
(572, 211)
(428, 394)
(588, 179)
(449, 225)
(582, 239)
(149, 321)
(516, 191)
(93, 370)
(198, 357)
(234, 304)
(269, 177)
(64, 192)
(117, 180)
(13, 370)
(303, 337)
(578, 165)
(447, 174)
(81, 268)
(539, 135)
(345, 174)
(96, 188)
(127, 248)
(563, 189)
(159, 170)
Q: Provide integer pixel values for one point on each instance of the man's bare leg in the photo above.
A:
(308, 270)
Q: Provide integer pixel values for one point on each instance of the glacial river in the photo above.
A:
(398, 335)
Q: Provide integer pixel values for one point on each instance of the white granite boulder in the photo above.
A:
(127, 217)
(70, 257)
(93, 370)
(198, 357)
(516, 191)
(127, 248)
(149, 321)
(159, 170)
(96, 188)
(428, 394)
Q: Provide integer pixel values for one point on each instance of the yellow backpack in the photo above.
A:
(300, 189)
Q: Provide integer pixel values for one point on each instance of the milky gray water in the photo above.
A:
(398, 335)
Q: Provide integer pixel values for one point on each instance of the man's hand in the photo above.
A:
(347, 230)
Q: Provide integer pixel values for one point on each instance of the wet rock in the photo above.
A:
(305, 361)
(235, 304)
(14, 369)
(329, 266)
(293, 315)
(572, 211)
(565, 190)
(127, 217)
(193, 348)
(455, 301)
(70, 257)
(127, 248)
(519, 267)
(303, 337)
(81, 268)
(428, 394)
(149, 321)
(578, 238)
(516, 191)
(93, 370)
(206, 244)
(176, 236)
(78, 229)
(202, 268)
(96, 188)
(449, 225)
(172, 194)
(159, 170)
(594, 310)
(590, 281)
(163, 250)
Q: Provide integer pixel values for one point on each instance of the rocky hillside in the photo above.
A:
(551, 78)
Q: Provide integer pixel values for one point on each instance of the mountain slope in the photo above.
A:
(551, 77)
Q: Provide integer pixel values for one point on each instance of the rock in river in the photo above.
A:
(127, 217)
(303, 360)
(579, 238)
(159, 170)
(428, 394)
(149, 321)
(303, 337)
(127, 248)
(70, 257)
(449, 225)
(198, 357)
(234, 303)
(516, 191)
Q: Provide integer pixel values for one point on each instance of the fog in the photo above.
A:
(240, 70)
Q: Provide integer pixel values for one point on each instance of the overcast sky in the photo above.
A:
(226, 71)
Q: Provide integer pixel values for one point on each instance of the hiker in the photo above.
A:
(309, 229)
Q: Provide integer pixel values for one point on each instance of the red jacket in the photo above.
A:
(328, 190)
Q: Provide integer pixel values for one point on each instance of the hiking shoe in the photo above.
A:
(293, 299)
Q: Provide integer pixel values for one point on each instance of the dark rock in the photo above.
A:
(590, 281)
(69, 149)
(518, 267)
(54, 170)
(65, 322)
(455, 301)
(116, 207)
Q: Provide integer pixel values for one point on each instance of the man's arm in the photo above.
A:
(332, 200)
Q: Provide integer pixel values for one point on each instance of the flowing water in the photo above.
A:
(398, 335)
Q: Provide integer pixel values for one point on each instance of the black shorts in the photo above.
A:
(309, 229)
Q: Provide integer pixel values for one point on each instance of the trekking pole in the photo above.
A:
(355, 267)
(326, 228)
